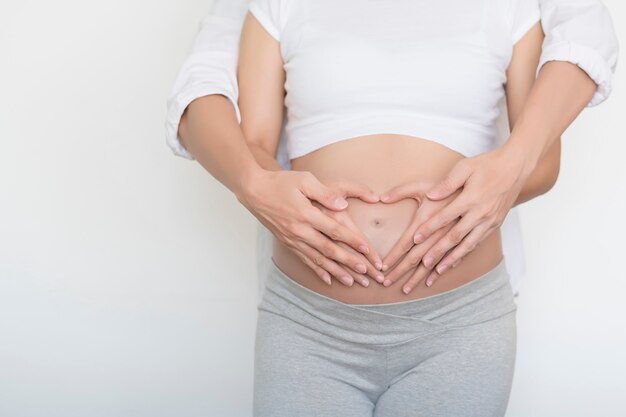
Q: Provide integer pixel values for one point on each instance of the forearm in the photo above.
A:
(543, 177)
(210, 131)
(264, 159)
(560, 93)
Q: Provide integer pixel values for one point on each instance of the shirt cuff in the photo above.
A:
(588, 60)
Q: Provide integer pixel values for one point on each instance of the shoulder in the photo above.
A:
(272, 14)
(521, 15)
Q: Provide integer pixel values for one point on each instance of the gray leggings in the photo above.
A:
(447, 355)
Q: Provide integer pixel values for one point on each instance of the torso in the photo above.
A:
(415, 70)
(382, 162)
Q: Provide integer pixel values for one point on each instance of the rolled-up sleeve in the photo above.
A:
(581, 32)
(210, 67)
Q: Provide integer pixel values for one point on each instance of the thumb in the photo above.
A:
(324, 195)
(355, 189)
(413, 189)
(452, 182)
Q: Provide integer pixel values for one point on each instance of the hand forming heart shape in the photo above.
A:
(403, 261)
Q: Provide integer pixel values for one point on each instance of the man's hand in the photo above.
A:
(281, 200)
(404, 258)
(490, 183)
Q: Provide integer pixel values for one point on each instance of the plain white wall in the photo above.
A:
(127, 275)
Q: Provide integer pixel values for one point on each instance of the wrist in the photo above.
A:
(249, 179)
(520, 157)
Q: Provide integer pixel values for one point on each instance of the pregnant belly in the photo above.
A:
(382, 162)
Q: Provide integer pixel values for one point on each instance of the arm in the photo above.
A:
(520, 80)
(492, 182)
(581, 32)
(281, 200)
(575, 70)
(208, 70)
(211, 132)
(561, 92)
(261, 78)
(203, 124)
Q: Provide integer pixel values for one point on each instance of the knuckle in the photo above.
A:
(307, 176)
(407, 244)
(328, 249)
(334, 233)
(487, 213)
(318, 259)
(295, 229)
(306, 216)
(323, 249)
(436, 253)
(297, 219)
(455, 236)
(470, 246)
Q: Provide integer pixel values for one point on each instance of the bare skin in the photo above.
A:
(210, 131)
(489, 186)
(281, 200)
(261, 80)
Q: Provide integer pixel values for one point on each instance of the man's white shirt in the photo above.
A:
(580, 32)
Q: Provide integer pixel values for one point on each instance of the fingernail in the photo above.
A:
(364, 249)
(406, 290)
(385, 267)
(428, 261)
(434, 193)
(429, 282)
(366, 282)
(348, 280)
(341, 203)
(326, 279)
(384, 197)
(380, 278)
(387, 283)
(442, 269)
(361, 268)
(378, 265)
(418, 238)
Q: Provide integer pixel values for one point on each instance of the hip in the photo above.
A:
(481, 301)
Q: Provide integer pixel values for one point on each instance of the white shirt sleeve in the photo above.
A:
(210, 67)
(581, 32)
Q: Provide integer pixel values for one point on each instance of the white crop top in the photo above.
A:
(433, 69)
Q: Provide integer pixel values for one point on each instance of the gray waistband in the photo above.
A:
(389, 322)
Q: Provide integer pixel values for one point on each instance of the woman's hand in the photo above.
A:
(344, 218)
(282, 201)
(403, 260)
(490, 183)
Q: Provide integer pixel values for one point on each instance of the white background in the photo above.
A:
(128, 280)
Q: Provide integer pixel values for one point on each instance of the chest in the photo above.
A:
(417, 54)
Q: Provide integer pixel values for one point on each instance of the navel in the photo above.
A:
(377, 222)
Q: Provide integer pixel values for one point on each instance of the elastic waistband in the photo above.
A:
(486, 296)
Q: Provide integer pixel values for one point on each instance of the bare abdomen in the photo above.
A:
(382, 162)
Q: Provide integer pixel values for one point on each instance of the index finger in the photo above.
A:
(356, 189)
(336, 231)
(402, 246)
(440, 219)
